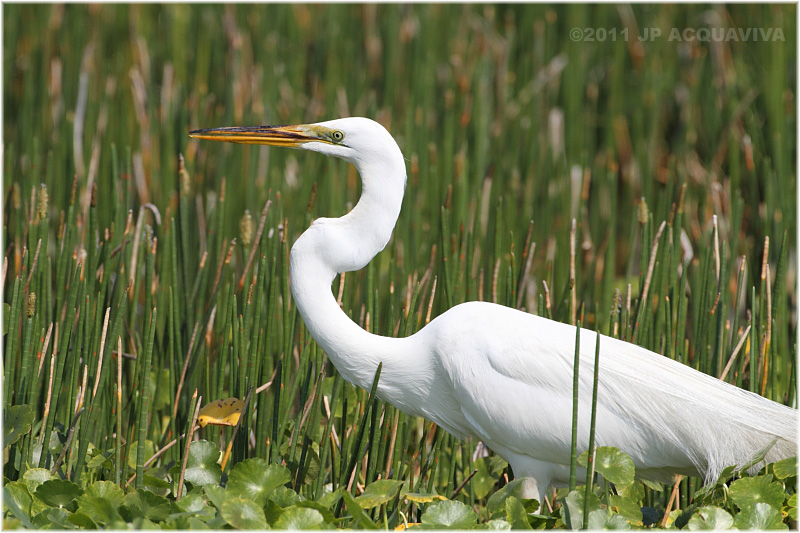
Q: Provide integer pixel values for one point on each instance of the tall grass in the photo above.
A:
(674, 159)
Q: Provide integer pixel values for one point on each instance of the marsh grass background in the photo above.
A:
(675, 160)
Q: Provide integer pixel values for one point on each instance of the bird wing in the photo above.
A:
(511, 374)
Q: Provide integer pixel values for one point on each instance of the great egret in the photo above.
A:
(503, 375)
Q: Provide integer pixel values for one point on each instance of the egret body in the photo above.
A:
(500, 374)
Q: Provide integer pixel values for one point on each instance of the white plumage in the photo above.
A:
(500, 374)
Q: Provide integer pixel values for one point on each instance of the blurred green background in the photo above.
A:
(470, 92)
(507, 114)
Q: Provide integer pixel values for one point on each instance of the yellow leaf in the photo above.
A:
(402, 527)
(221, 412)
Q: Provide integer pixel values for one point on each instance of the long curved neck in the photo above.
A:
(345, 244)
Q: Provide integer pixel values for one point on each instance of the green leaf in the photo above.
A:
(272, 511)
(449, 515)
(18, 500)
(255, 480)
(58, 493)
(101, 459)
(201, 465)
(496, 502)
(485, 478)
(516, 514)
(34, 477)
(573, 507)
(329, 499)
(145, 504)
(748, 491)
(498, 524)
(242, 513)
(52, 518)
(194, 502)
(81, 520)
(185, 522)
(627, 508)
(99, 509)
(17, 421)
(614, 465)
(327, 515)
(378, 492)
(653, 485)
(215, 494)
(107, 490)
(785, 468)
(634, 491)
(759, 516)
(357, 512)
(149, 451)
(300, 518)
(710, 517)
(600, 519)
(791, 507)
(284, 497)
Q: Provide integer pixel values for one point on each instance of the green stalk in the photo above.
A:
(573, 458)
(144, 411)
(591, 450)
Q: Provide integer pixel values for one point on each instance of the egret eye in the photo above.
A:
(337, 135)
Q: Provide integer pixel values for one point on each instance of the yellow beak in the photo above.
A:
(271, 135)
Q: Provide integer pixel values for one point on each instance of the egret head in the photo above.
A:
(358, 140)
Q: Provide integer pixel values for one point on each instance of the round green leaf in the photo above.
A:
(17, 421)
(215, 494)
(357, 512)
(449, 515)
(255, 480)
(484, 479)
(201, 465)
(17, 498)
(327, 515)
(498, 524)
(284, 497)
(627, 508)
(749, 491)
(791, 507)
(612, 464)
(195, 503)
(242, 513)
(785, 468)
(101, 459)
(34, 477)
(146, 504)
(81, 520)
(52, 518)
(149, 451)
(600, 519)
(514, 488)
(759, 516)
(106, 489)
(378, 492)
(58, 492)
(573, 507)
(101, 510)
(710, 518)
(300, 518)
(516, 514)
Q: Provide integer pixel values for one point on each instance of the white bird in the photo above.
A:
(500, 374)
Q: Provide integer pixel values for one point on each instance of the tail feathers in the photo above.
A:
(712, 423)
